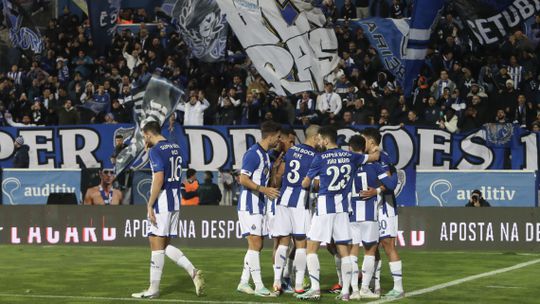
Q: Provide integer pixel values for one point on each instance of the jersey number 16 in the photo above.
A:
(176, 168)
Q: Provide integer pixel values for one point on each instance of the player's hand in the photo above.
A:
(271, 193)
(370, 192)
(152, 216)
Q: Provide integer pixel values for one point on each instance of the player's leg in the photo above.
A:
(370, 237)
(178, 257)
(301, 225)
(280, 259)
(354, 250)
(288, 269)
(342, 237)
(394, 261)
(331, 248)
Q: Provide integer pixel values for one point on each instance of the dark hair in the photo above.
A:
(190, 172)
(119, 136)
(357, 143)
(329, 133)
(269, 127)
(373, 134)
(287, 131)
(152, 127)
(209, 174)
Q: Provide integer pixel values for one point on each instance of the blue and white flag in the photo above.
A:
(103, 16)
(22, 31)
(94, 106)
(156, 102)
(489, 21)
(424, 17)
(202, 26)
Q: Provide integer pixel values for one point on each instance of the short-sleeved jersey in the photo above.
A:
(335, 168)
(257, 166)
(165, 157)
(297, 161)
(367, 175)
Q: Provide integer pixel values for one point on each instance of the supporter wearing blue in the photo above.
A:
(292, 216)
(387, 218)
(103, 97)
(254, 179)
(163, 209)
(334, 167)
(363, 217)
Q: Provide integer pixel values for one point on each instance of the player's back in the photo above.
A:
(334, 168)
(366, 176)
(165, 157)
(256, 165)
(297, 160)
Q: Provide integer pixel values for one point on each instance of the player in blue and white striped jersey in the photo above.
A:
(292, 215)
(388, 221)
(163, 209)
(331, 220)
(254, 179)
(363, 217)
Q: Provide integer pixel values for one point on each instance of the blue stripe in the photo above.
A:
(343, 242)
(311, 276)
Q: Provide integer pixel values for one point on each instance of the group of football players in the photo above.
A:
(354, 206)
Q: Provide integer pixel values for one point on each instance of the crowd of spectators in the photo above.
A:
(461, 86)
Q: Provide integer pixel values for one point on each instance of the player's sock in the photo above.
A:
(368, 266)
(156, 269)
(180, 259)
(300, 265)
(346, 273)
(314, 270)
(244, 279)
(288, 269)
(377, 275)
(255, 268)
(355, 272)
(337, 260)
(395, 270)
(279, 263)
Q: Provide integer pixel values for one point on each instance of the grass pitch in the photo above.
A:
(76, 274)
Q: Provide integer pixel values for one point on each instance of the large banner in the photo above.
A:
(202, 26)
(30, 187)
(490, 21)
(453, 188)
(287, 41)
(103, 16)
(426, 228)
(222, 147)
(22, 31)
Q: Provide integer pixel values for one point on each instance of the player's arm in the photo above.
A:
(157, 182)
(277, 172)
(374, 155)
(313, 171)
(249, 164)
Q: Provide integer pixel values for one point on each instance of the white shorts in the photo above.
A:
(334, 226)
(252, 224)
(290, 221)
(365, 232)
(269, 220)
(166, 224)
(388, 225)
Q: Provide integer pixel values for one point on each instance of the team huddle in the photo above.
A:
(354, 205)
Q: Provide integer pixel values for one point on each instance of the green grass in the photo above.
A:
(117, 272)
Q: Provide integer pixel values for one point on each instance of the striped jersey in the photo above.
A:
(368, 175)
(165, 157)
(257, 166)
(297, 160)
(389, 209)
(334, 168)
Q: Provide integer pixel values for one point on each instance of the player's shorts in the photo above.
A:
(269, 220)
(388, 225)
(334, 226)
(365, 232)
(166, 224)
(252, 224)
(290, 221)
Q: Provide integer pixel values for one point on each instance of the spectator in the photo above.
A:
(328, 104)
(227, 113)
(535, 127)
(412, 119)
(515, 71)
(506, 99)
(21, 158)
(524, 112)
(305, 112)
(501, 116)
(38, 113)
(437, 88)
(362, 9)
(360, 113)
(397, 9)
(432, 114)
(119, 145)
(190, 189)
(103, 97)
(348, 11)
(384, 117)
(469, 121)
(477, 200)
(449, 121)
(67, 115)
(209, 192)
(194, 109)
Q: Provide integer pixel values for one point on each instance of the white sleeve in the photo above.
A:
(235, 102)
(205, 104)
(337, 100)
(181, 107)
